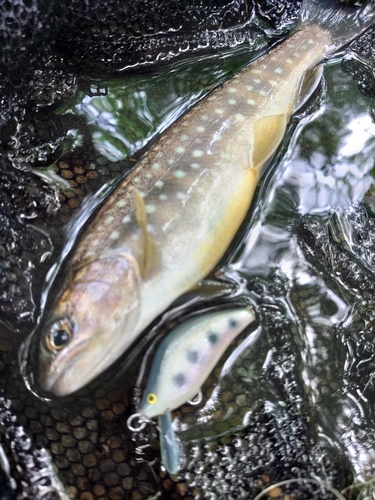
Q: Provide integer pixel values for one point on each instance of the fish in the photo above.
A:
(171, 219)
(181, 365)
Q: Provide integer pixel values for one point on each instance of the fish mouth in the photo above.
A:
(58, 379)
(71, 375)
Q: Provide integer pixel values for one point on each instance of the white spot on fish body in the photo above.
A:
(296, 54)
(204, 118)
(256, 80)
(150, 209)
(180, 196)
(251, 102)
(170, 161)
(136, 179)
(197, 153)
(126, 219)
(155, 166)
(273, 83)
(163, 197)
(179, 174)
(109, 220)
(184, 137)
(289, 60)
(311, 41)
(262, 92)
(149, 175)
(159, 183)
(180, 149)
(239, 117)
(232, 101)
(200, 128)
(279, 70)
(219, 111)
(195, 165)
(115, 235)
(121, 204)
(249, 87)
(232, 90)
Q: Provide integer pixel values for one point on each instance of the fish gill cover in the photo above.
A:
(288, 433)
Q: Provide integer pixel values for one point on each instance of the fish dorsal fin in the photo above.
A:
(268, 134)
(149, 251)
(169, 445)
(307, 86)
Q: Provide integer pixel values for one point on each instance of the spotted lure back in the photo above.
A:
(169, 222)
(186, 357)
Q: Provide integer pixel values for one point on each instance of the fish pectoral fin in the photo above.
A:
(149, 259)
(268, 134)
(169, 444)
(307, 86)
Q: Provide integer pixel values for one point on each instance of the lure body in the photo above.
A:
(170, 221)
(186, 357)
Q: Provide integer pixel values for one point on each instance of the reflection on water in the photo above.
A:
(135, 109)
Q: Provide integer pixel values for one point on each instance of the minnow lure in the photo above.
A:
(182, 363)
(169, 221)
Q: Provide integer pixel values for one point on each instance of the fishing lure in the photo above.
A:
(182, 363)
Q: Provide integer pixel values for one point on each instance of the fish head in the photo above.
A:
(91, 324)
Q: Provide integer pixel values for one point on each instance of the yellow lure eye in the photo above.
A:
(151, 398)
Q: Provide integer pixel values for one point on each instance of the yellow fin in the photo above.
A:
(309, 83)
(268, 134)
(149, 254)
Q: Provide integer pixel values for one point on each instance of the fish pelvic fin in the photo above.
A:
(268, 133)
(342, 21)
(149, 258)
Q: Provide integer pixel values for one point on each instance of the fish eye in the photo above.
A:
(151, 398)
(58, 336)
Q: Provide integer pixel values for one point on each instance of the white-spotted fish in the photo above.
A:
(172, 218)
(181, 365)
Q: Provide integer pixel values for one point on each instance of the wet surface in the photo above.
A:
(296, 404)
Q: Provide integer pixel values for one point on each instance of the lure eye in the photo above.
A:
(151, 398)
(59, 336)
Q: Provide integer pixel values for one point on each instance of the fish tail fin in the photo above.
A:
(343, 21)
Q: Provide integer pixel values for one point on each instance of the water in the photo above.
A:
(294, 258)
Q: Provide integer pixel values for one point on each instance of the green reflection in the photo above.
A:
(136, 109)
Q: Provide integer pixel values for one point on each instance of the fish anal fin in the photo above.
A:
(268, 134)
(149, 255)
(308, 85)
